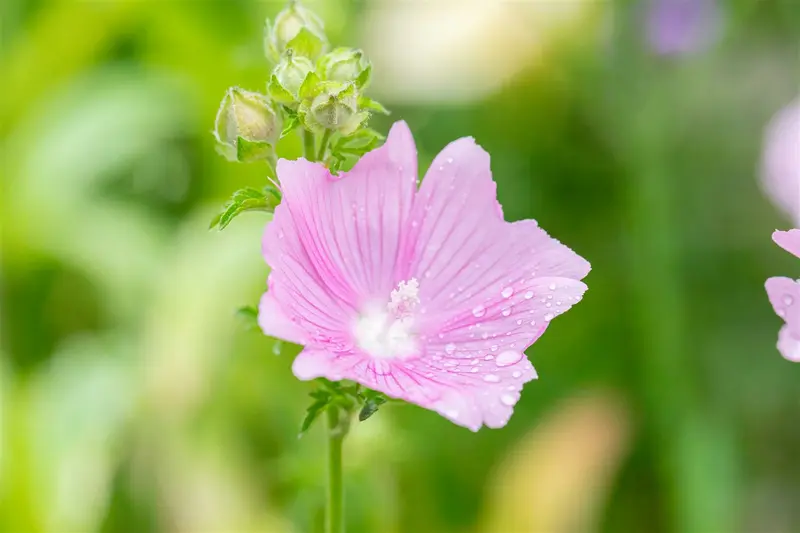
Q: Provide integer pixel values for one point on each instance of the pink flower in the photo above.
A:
(784, 294)
(425, 295)
(780, 166)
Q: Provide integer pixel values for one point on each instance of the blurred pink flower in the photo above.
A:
(784, 295)
(425, 295)
(780, 165)
(682, 26)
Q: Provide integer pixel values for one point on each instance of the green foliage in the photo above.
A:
(248, 315)
(247, 199)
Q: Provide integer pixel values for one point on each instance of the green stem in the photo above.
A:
(272, 166)
(308, 145)
(323, 147)
(337, 429)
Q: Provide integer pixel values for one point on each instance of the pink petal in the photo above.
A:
(334, 241)
(784, 295)
(275, 323)
(788, 240)
(789, 345)
(463, 253)
(780, 167)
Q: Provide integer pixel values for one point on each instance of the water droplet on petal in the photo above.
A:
(533, 322)
(478, 311)
(508, 358)
(552, 286)
(489, 357)
(507, 292)
(508, 400)
(491, 378)
(529, 295)
(506, 311)
(516, 374)
(788, 300)
(549, 317)
(474, 369)
(450, 348)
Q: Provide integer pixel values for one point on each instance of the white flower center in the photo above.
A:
(388, 332)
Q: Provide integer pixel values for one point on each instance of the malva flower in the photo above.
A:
(780, 163)
(427, 295)
(784, 295)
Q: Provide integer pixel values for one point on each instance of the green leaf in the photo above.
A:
(290, 124)
(249, 151)
(249, 316)
(312, 413)
(306, 43)
(371, 405)
(364, 78)
(372, 105)
(277, 92)
(247, 199)
(310, 87)
(359, 143)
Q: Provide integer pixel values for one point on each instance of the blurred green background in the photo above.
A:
(131, 400)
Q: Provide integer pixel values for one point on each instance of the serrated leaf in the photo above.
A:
(248, 314)
(364, 77)
(372, 105)
(312, 413)
(247, 199)
(306, 43)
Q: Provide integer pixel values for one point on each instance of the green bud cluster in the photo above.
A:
(310, 88)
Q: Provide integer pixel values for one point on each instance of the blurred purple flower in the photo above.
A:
(681, 26)
(780, 163)
(784, 295)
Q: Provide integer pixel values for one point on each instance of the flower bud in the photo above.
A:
(247, 126)
(335, 107)
(287, 78)
(298, 29)
(344, 65)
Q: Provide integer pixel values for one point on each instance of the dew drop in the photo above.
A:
(548, 304)
(494, 347)
(450, 348)
(474, 362)
(478, 311)
(491, 378)
(516, 374)
(549, 316)
(552, 286)
(788, 300)
(507, 292)
(529, 295)
(508, 400)
(533, 322)
(508, 358)
(489, 357)
(506, 311)
(474, 369)
(519, 322)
